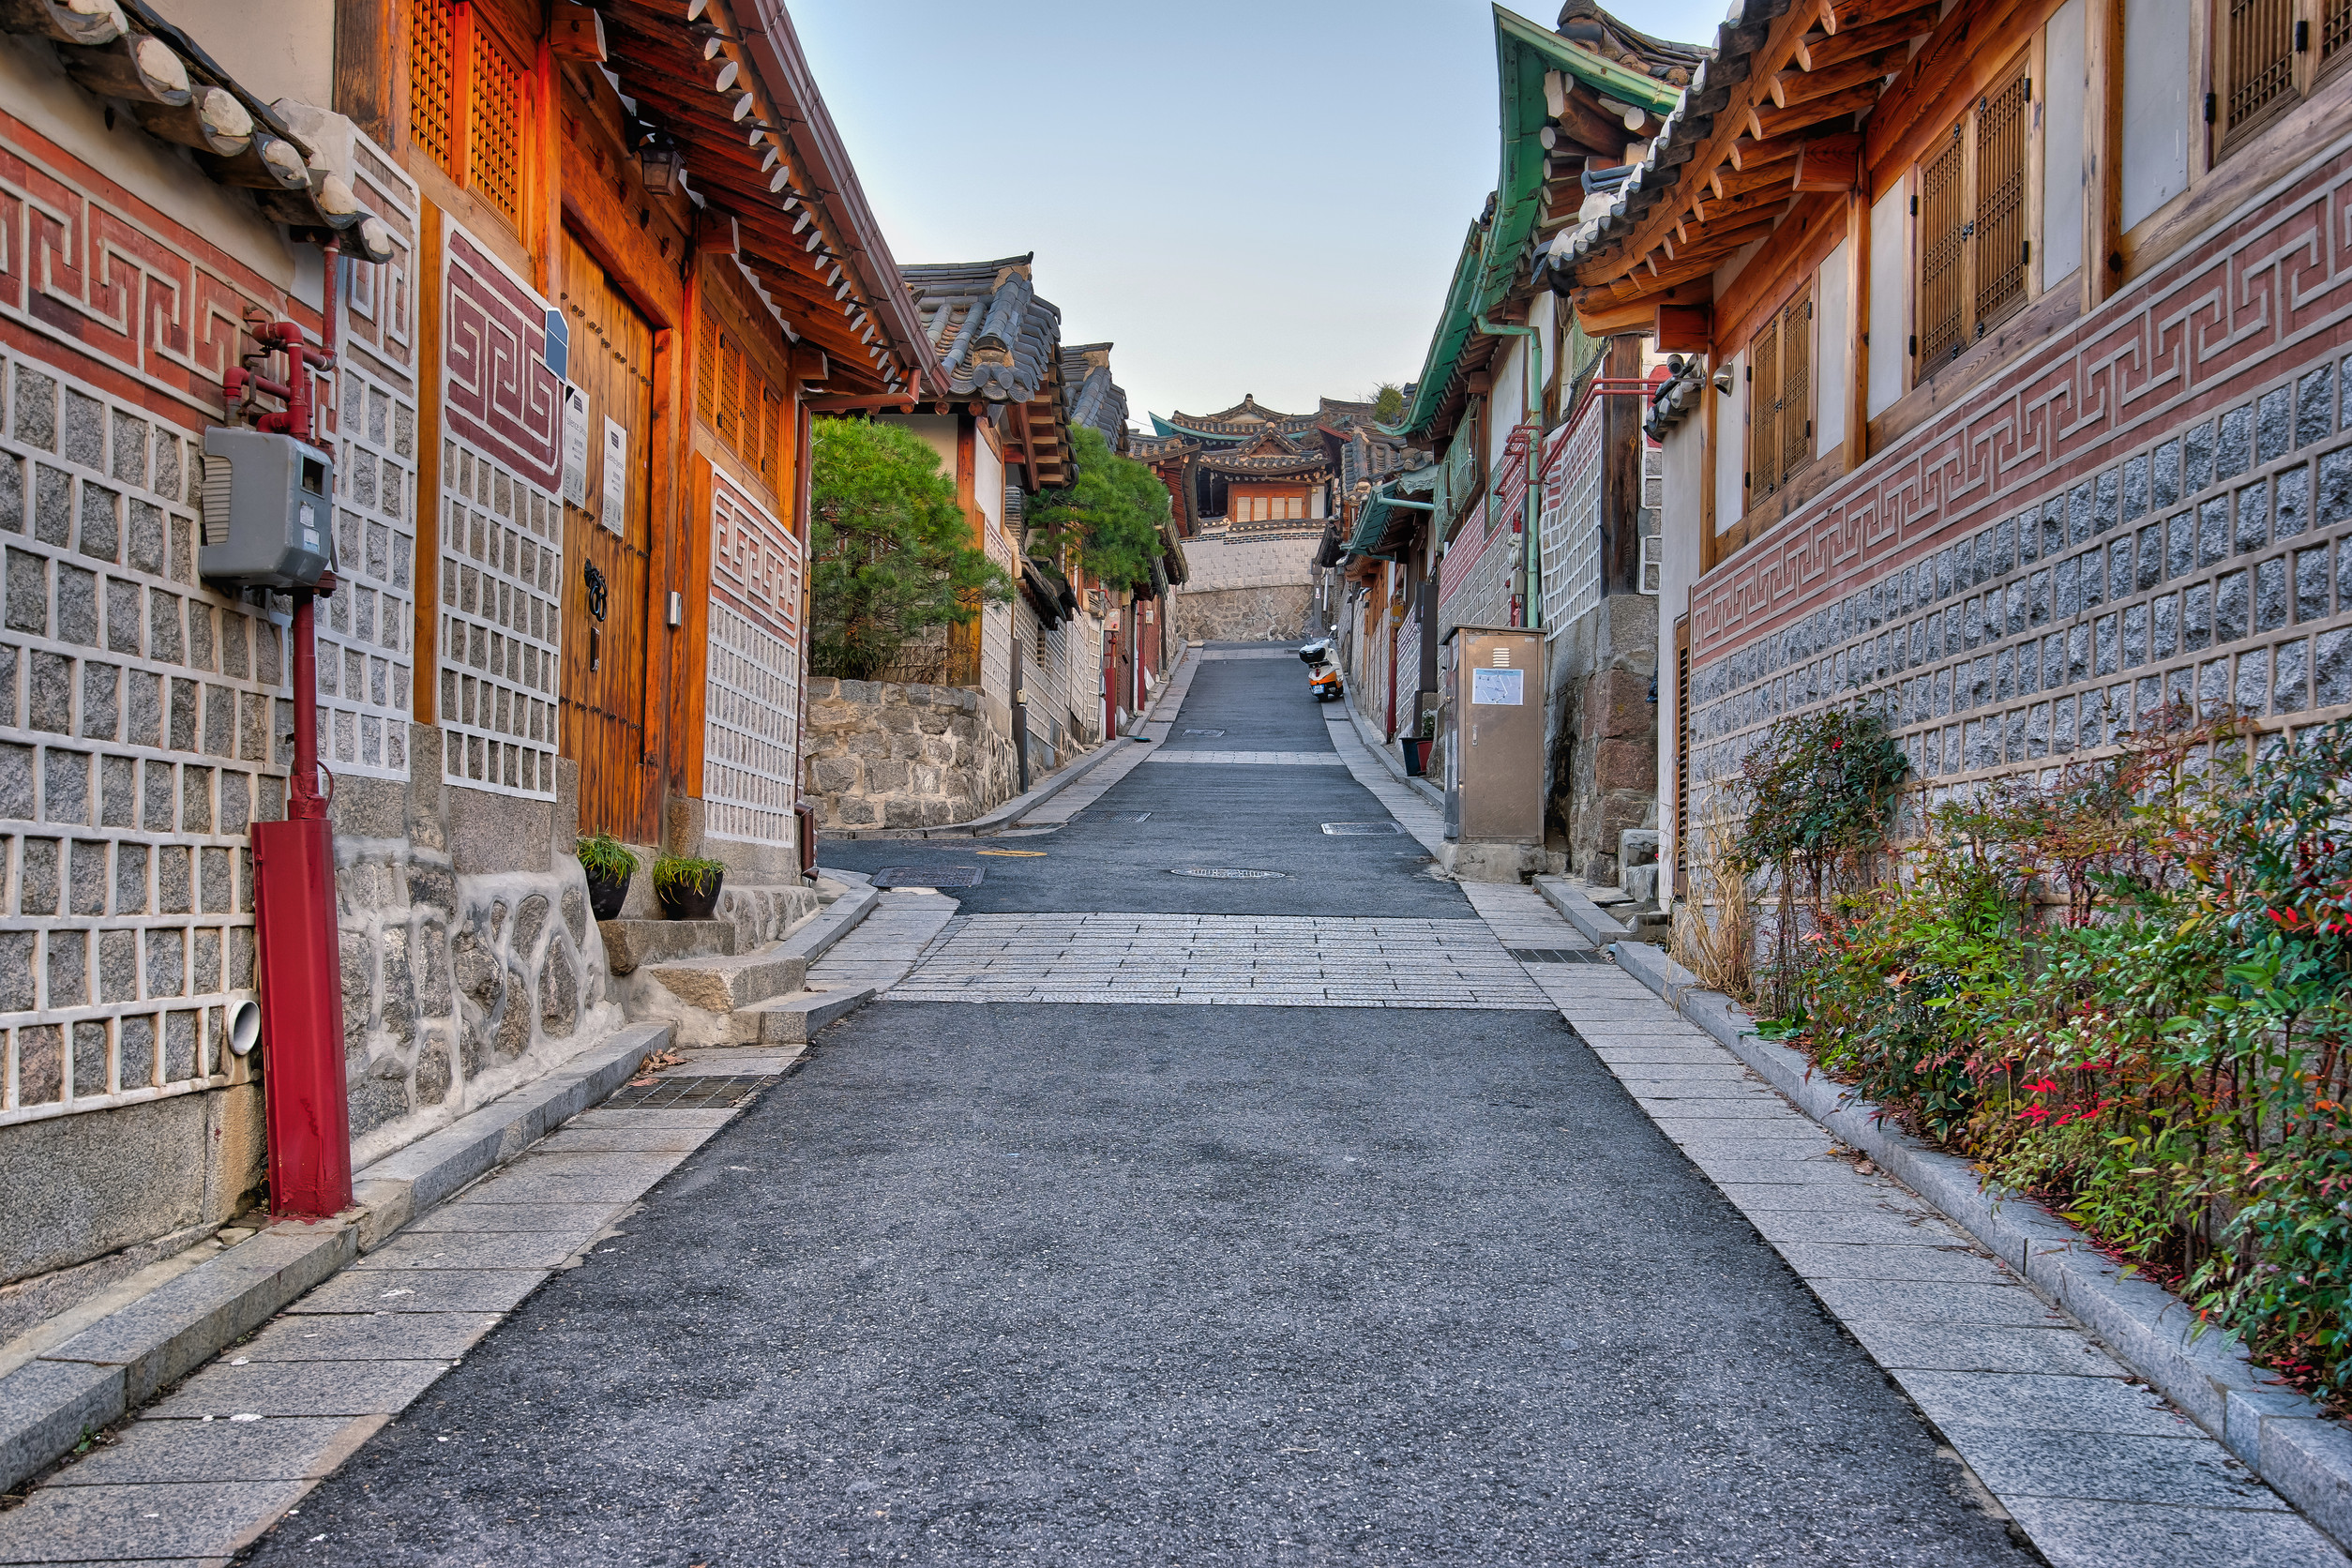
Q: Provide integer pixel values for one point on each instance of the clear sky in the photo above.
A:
(1261, 196)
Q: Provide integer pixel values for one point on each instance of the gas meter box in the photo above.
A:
(269, 511)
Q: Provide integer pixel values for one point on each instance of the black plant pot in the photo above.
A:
(689, 903)
(605, 895)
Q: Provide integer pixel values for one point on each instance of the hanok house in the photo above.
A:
(1254, 495)
(1541, 508)
(2013, 401)
(595, 268)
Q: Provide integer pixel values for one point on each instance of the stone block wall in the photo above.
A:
(1268, 613)
(887, 755)
(1602, 725)
(470, 963)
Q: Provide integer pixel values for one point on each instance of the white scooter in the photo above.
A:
(1322, 669)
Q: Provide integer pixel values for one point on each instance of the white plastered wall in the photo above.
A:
(2062, 144)
(275, 49)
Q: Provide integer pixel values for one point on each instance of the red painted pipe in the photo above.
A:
(304, 1096)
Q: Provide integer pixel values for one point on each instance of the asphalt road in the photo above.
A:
(1112, 1285)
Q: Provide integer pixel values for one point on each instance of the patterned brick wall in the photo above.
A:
(751, 729)
(502, 530)
(2154, 505)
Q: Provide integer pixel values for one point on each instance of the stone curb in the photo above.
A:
(2277, 1432)
(1580, 912)
(401, 1185)
(836, 920)
(1372, 743)
(123, 1360)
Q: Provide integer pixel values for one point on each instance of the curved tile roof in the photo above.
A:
(994, 336)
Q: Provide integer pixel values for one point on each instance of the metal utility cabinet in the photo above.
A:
(1494, 734)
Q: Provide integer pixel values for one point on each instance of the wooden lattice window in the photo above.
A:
(2266, 53)
(433, 76)
(1970, 199)
(1780, 399)
(469, 102)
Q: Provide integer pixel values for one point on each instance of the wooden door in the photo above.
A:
(608, 547)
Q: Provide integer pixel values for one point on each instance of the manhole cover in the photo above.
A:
(1359, 830)
(1204, 731)
(1130, 817)
(930, 876)
(692, 1094)
(1559, 954)
(1229, 871)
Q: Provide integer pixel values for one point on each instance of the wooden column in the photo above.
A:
(365, 70)
(1857, 326)
(1621, 481)
(2103, 149)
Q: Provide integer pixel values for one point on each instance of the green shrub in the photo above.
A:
(2122, 992)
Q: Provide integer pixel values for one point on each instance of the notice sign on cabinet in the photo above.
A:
(617, 477)
(1499, 689)
(575, 446)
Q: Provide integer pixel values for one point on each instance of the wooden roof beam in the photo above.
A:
(1844, 16)
(1828, 49)
(1774, 55)
(1794, 86)
(1766, 122)
(1726, 186)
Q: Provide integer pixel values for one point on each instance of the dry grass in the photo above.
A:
(1714, 925)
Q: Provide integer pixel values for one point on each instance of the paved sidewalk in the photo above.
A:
(2096, 1469)
(207, 1468)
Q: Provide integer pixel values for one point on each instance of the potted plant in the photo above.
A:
(608, 865)
(687, 887)
(1416, 747)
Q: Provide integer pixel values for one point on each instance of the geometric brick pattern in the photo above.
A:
(751, 708)
(137, 710)
(2147, 504)
(502, 556)
(2214, 564)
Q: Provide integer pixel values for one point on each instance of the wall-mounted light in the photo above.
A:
(660, 164)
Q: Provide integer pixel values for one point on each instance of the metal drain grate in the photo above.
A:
(1559, 954)
(1204, 731)
(1361, 830)
(692, 1094)
(930, 876)
(1128, 817)
(1234, 872)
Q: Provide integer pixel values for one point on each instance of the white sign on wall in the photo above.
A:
(575, 446)
(617, 477)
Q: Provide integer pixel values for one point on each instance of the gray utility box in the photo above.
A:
(1494, 702)
(269, 511)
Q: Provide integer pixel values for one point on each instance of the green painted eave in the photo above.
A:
(1524, 52)
(1602, 76)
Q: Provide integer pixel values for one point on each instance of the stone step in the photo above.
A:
(628, 944)
(726, 985)
(794, 1019)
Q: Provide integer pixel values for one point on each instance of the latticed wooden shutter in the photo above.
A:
(494, 139)
(1681, 753)
(1999, 240)
(2335, 28)
(2257, 64)
(1796, 387)
(730, 392)
(706, 371)
(1763, 410)
(433, 78)
(1942, 250)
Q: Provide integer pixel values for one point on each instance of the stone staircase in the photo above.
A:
(733, 982)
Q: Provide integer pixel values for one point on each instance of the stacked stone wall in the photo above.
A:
(1263, 615)
(889, 755)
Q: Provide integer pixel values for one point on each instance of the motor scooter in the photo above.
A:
(1323, 669)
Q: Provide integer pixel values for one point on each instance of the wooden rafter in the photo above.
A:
(1821, 62)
